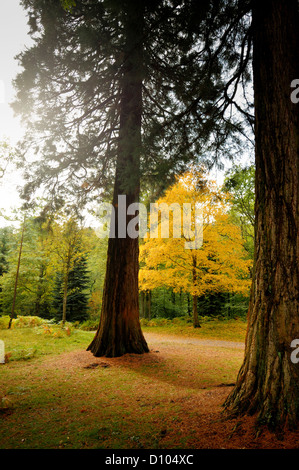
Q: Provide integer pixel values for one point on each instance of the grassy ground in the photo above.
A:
(31, 337)
(55, 394)
(23, 344)
(223, 329)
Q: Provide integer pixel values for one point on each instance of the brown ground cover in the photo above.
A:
(169, 398)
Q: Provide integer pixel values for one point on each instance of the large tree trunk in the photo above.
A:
(119, 330)
(268, 382)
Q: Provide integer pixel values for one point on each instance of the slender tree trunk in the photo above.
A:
(188, 304)
(181, 300)
(268, 382)
(119, 331)
(142, 304)
(17, 277)
(65, 285)
(39, 293)
(64, 302)
(148, 304)
(196, 323)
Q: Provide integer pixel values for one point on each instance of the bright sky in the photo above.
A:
(13, 39)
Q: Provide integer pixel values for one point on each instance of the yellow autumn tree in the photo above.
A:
(66, 245)
(193, 245)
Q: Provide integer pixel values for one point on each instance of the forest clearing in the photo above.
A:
(170, 398)
(149, 229)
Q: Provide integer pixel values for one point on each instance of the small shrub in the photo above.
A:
(21, 322)
(4, 320)
(27, 322)
(164, 321)
(180, 320)
(89, 325)
(56, 331)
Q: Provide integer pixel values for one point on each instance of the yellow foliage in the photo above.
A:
(219, 265)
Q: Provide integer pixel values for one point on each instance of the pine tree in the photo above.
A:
(242, 37)
(103, 79)
(4, 249)
(77, 298)
(57, 298)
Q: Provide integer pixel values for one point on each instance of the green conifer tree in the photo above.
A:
(77, 297)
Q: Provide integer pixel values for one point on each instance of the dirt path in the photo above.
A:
(156, 337)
